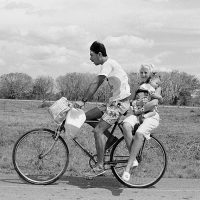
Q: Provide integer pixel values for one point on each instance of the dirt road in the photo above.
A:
(70, 188)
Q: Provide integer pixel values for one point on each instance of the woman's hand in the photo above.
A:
(139, 111)
(79, 104)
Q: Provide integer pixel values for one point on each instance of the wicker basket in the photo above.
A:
(59, 109)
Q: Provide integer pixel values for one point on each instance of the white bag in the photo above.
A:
(75, 117)
(59, 110)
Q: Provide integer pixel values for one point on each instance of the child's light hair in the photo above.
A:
(157, 77)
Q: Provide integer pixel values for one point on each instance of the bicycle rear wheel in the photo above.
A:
(152, 163)
(30, 161)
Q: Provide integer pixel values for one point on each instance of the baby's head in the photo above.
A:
(140, 94)
(155, 81)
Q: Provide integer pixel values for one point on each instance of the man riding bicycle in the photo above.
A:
(118, 103)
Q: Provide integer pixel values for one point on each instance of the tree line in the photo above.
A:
(178, 88)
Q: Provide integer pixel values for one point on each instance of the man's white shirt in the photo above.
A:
(117, 79)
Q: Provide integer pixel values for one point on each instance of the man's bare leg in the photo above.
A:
(95, 114)
(100, 148)
(100, 140)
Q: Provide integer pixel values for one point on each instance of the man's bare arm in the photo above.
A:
(94, 85)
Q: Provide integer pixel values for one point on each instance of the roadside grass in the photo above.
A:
(179, 131)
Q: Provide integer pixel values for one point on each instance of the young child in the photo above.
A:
(146, 93)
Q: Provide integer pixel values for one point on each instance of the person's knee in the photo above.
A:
(93, 114)
(97, 131)
(127, 127)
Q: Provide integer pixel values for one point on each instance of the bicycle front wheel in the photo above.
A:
(152, 163)
(34, 159)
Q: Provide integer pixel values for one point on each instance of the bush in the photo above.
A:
(45, 104)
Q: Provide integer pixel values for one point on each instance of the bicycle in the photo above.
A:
(41, 157)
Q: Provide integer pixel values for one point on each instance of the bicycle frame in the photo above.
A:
(91, 155)
(87, 152)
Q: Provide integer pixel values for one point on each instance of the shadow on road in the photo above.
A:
(14, 180)
(108, 183)
(99, 182)
(103, 182)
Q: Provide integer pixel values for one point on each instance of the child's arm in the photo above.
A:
(157, 95)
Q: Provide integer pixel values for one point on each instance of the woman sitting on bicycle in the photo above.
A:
(147, 116)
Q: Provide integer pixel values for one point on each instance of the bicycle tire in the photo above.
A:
(151, 168)
(27, 159)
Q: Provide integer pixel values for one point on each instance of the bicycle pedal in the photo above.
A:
(92, 177)
(89, 178)
(108, 151)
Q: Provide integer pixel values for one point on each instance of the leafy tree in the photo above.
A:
(103, 93)
(185, 97)
(177, 84)
(43, 87)
(16, 85)
(196, 98)
(133, 82)
(73, 85)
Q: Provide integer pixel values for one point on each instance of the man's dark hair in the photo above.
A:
(97, 47)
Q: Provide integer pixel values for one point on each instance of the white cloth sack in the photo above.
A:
(75, 117)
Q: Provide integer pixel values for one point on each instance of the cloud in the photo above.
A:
(158, 1)
(161, 56)
(128, 41)
(53, 36)
(193, 51)
(17, 5)
(164, 69)
(2, 62)
(45, 52)
(54, 52)
(72, 37)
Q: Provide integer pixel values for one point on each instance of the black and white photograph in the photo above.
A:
(99, 99)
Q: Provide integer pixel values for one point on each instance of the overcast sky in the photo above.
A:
(52, 37)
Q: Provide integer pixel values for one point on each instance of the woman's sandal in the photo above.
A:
(126, 176)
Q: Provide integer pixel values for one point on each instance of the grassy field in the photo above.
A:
(179, 131)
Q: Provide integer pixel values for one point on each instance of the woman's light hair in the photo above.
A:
(150, 67)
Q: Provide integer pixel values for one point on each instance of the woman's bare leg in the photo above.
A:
(136, 145)
(128, 136)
